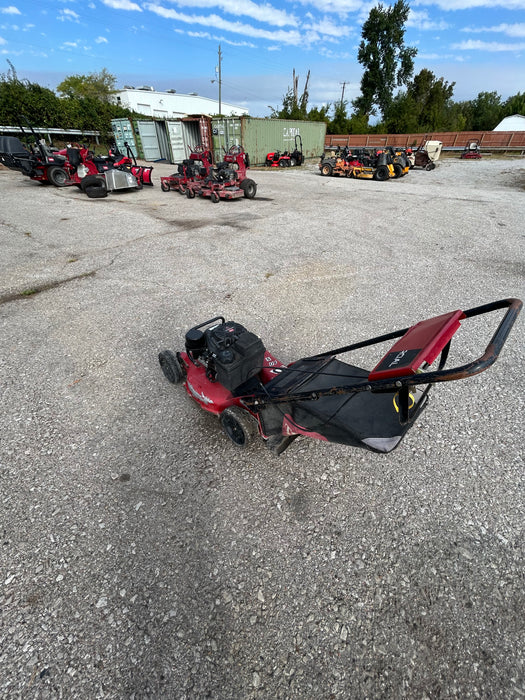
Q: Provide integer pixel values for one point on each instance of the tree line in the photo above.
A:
(422, 102)
(83, 102)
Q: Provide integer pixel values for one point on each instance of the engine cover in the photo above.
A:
(236, 353)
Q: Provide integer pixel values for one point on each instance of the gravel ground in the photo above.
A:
(144, 556)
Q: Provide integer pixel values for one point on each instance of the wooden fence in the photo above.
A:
(493, 140)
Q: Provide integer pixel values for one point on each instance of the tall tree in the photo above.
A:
(486, 110)
(99, 86)
(387, 62)
(431, 96)
(294, 106)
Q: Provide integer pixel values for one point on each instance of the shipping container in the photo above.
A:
(259, 137)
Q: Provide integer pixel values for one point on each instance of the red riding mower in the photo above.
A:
(472, 150)
(228, 372)
(286, 159)
(196, 167)
(227, 180)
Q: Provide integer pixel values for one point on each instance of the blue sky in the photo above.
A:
(479, 44)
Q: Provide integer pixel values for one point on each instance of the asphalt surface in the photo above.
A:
(144, 556)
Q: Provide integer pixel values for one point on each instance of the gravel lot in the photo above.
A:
(144, 556)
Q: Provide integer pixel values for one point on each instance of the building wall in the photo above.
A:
(166, 105)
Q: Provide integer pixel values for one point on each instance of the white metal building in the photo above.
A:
(514, 123)
(170, 104)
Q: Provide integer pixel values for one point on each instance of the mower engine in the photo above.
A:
(230, 353)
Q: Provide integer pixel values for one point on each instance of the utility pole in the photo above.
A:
(343, 93)
(220, 81)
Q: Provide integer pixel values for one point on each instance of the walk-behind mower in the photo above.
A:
(227, 370)
(227, 180)
(425, 155)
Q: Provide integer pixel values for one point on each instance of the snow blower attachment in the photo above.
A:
(229, 372)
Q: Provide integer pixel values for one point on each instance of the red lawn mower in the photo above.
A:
(195, 168)
(227, 180)
(227, 370)
(472, 150)
(276, 159)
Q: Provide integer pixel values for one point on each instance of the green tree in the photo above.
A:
(487, 110)
(386, 60)
(294, 106)
(431, 97)
(340, 123)
(514, 105)
(94, 85)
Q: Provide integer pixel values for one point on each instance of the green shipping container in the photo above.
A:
(259, 137)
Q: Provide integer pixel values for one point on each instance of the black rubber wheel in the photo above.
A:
(190, 194)
(94, 186)
(182, 189)
(171, 367)
(326, 169)
(249, 187)
(293, 163)
(214, 197)
(430, 166)
(239, 426)
(57, 176)
(283, 163)
(381, 173)
(164, 186)
(398, 170)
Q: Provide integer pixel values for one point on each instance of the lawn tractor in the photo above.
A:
(276, 159)
(226, 180)
(194, 168)
(472, 150)
(229, 372)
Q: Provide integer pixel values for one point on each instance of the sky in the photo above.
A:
(174, 44)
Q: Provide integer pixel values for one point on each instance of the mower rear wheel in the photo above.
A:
(164, 186)
(326, 169)
(239, 426)
(293, 163)
(430, 166)
(171, 367)
(190, 194)
(381, 173)
(283, 163)
(214, 197)
(249, 187)
(94, 186)
(57, 176)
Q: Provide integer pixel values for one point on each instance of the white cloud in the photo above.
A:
(101, 40)
(421, 20)
(291, 38)
(11, 10)
(68, 15)
(262, 13)
(472, 4)
(122, 5)
(514, 30)
(493, 46)
(2, 41)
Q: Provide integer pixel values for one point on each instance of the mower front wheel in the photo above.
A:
(94, 186)
(293, 163)
(57, 176)
(239, 426)
(171, 367)
(326, 169)
(190, 194)
(249, 187)
(182, 189)
(164, 186)
(430, 166)
(214, 197)
(398, 170)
